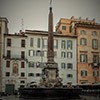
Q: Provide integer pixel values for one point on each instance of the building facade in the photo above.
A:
(88, 47)
(14, 62)
(3, 30)
(25, 55)
(76, 51)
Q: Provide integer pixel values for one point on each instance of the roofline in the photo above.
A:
(45, 33)
(92, 26)
(4, 19)
(19, 35)
(38, 32)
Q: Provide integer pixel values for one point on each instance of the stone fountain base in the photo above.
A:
(61, 93)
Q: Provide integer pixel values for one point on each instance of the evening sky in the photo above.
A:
(33, 14)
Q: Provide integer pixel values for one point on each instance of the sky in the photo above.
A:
(33, 14)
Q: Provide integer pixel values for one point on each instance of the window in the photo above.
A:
(31, 42)
(95, 58)
(22, 54)
(22, 43)
(22, 86)
(31, 74)
(9, 42)
(31, 53)
(94, 33)
(8, 64)
(69, 66)
(69, 76)
(44, 43)
(22, 64)
(38, 42)
(70, 28)
(83, 73)
(38, 53)
(83, 32)
(41, 53)
(95, 44)
(22, 74)
(55, 53)
(69, 44)
(15, 68)
(83, 58)
(56, 44)
(63, 27)
(38, 74)
(63, 54)
(31, 64)
(63, 44)
(69, 55)
(63, 65)
(22, 81)
(83, 41)
(83, 81)
(8, 54)
(0, 30)
(45, 53)
(42, 64)
(37, 64)
(95, 73)
(7, 74)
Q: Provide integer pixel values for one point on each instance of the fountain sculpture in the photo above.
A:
(50, 72)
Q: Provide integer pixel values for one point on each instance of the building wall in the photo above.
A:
(32, 55)
(89, 26)
(3, 29)
(89, 51)
(64, 25)
(14, 68)
(62, 71)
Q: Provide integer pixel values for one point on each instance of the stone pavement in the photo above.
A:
(90, 98)
(12, 97)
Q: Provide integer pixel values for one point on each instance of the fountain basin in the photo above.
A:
(50, 92)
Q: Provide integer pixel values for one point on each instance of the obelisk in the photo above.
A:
(50, 52)
(50, 71)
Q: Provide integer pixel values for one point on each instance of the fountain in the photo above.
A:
(50, 84)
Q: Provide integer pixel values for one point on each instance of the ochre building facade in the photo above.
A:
(88, 47)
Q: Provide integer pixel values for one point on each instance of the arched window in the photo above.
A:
(83, 41)
(55, 43)
(63, 54)
(63, 65)
(44, 43)
(63, 44)
(31, 42)
(83, 32)
(38, 42)
(69, 44)
(94, 33)
(95, 44)
(69, 55)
